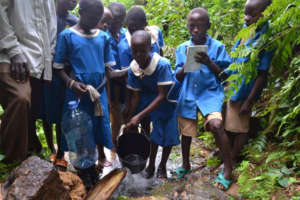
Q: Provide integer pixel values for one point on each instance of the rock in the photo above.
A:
(73, 184)
(107, 185)
(34, 179)
(1, 192)
(197, 187)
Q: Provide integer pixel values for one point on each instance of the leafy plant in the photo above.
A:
(207, 139)
(213, 162)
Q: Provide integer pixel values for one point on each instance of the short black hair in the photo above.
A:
(263, 3)
(85, 5)
(200, 11)
(137, 14)
(142, 35)
(117, 9)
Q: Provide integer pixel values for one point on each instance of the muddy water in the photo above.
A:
(196, 186)
(135, 185)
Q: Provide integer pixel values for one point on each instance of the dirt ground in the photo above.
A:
(73, 185)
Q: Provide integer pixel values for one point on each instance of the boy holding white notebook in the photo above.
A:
(202, 90)
(191, 65)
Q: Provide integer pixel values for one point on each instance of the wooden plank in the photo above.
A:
(107, 185)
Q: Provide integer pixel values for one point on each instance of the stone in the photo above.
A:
(196, 186)
(73, 184)
(34, 179)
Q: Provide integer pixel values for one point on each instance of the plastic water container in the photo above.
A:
(78, 130)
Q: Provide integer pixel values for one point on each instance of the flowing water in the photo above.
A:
(135, 185)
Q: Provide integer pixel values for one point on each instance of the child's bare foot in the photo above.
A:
(104, 163)
(221, 167)
(221, 182)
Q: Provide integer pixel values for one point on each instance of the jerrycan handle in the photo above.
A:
(140, 130)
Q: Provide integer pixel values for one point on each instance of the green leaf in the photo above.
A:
(1, 157)
(284, 182)
(285, 170)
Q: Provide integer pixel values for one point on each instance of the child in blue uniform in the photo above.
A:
(117, 86)
(151, 80)
(112, 22)
(136, 20)
(103, 25)
(54, 92)
(88, 51)
(106, 20)
(201, 91)
(238, 108)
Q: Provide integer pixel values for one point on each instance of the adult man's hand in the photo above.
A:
(19, 69)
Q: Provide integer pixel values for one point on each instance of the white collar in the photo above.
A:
(86, 35)
(137, 71)
(153, 30)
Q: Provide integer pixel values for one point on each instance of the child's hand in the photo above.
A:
(202, 57)
(245, 108)
(79, 89)
(133, 122)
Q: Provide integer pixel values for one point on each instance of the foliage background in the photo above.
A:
(271, 160)
(269, 167)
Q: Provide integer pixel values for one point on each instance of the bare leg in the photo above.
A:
(239, 142)
(101, 153)
(151, 166)
(162, 169)
(216, 127)
(60, 153)
(146, 125)
(185, 149)
(49, 136)
(36, 94)
(33, 140)
(115, 122)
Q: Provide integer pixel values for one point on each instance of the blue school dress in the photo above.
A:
(265, 58)
(125, 43)
(54, 92)
(201, 89)
(115, 53)
(88, 55)
(114, 47)
(165, 132)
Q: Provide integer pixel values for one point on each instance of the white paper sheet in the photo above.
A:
(191, 65)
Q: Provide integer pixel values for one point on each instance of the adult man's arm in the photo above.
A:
(52, 24)
(9, 44)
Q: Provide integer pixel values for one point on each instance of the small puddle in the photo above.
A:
(135, 185)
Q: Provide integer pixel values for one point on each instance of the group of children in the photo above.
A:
(143, 87)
